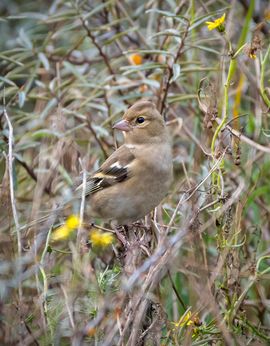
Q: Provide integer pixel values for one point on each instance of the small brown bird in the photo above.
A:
(137, 176)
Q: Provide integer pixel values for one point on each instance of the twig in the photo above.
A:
(68, 307)
(195, 140)
(167, 85)
(246, 139)
(176, 292)
(82, 207)
(182, 201)
(12, 195)
(97, 139)
(31, 173)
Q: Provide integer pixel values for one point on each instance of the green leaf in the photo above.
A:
(167, 32)
(8, 81)
(176, 72)
(21, 95)
(207, 49)
(29, 15)
(148, 51)
(144, 67)
(97, 9)
(4, 57)
(119, 35)
(44, 60)
(169, 14)
(51, 104)
(101, 131)
(25, 40)
(45, 133)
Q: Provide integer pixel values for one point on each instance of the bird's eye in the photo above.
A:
(140, 120)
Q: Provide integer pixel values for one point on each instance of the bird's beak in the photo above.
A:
(122, 125)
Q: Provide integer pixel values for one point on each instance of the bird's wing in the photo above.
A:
(114, 170)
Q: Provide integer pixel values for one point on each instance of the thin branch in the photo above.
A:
(82, 207)
(12, 194)
(246, 139)
(97, 139)
(170, 74)
(31, 173)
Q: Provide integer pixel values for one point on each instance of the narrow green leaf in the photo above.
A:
(29, 15)
(44, 133)
(176, 72)
(8, 81)
(4, 57)
(148, 51)
(51, 104)
(97, 9)
(144, 67)
(21, 95)
(44, 60)
(25, 40)
(167, 32)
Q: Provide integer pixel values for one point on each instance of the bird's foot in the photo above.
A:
(140, 225)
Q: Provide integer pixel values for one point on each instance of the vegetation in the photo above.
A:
(195, 272)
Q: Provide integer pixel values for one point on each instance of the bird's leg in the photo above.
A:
(140, 224)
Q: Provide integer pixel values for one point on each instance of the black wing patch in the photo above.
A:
(119, 173)
(103, 179)
(114, 170)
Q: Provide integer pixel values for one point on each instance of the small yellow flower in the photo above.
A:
(217, 24)
(184, 320)
(252, 55)
(136, 59)
(67, 228)
(101, 239)
(62, 232)
(187, 320)
(73, 221)
(267, 14)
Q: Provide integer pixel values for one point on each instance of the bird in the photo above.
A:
(133, 180)
(137, 175)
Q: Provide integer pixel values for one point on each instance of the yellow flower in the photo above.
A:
(184, 320)
(67, 228)
(62, 232)
(252, 55)
(136, 59)
(217, 24)
(267, 14)
(73, 221)
(187, 320)
(101, 239)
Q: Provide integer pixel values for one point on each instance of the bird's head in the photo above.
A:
(142, 123)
